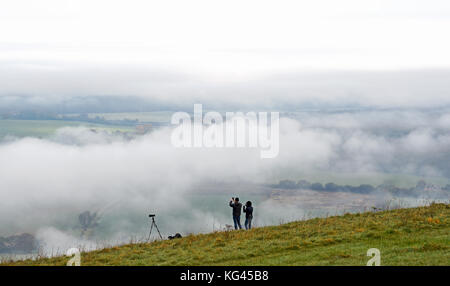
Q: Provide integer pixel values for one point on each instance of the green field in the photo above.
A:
(45, 128)
(154, 116)
(414, 236)
(356, 179)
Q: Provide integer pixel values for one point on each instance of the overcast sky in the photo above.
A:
(180, 49)
(228, 37)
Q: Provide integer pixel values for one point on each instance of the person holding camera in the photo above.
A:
(248, 210)
(237, 206)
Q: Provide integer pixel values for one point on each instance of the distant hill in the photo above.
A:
(413, 236)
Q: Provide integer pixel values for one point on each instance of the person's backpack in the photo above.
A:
(177, 235)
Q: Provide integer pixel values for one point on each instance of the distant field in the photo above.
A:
(45, 128)
(155, 116)
(356, 179)
(415, 236)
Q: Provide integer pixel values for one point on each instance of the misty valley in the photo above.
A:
(224, 134)
(205, 211)
(330, 163)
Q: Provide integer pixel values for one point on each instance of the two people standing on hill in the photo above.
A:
(248, 210)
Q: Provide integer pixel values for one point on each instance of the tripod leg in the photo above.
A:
(158, 230)
(151, 227)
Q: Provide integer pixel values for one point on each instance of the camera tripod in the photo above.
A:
(151, 228)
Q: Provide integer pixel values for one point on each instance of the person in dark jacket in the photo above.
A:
(248, 210)
(237, 206)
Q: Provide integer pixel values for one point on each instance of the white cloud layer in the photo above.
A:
(48, 182)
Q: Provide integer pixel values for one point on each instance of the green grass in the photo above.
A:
(46, 128)
(415, 236)
(154, 116)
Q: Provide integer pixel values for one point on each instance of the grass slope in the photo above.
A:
(415, 236)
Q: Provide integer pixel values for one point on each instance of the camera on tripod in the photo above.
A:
(151, 227)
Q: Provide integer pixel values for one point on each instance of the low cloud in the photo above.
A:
(46, 183)
(98, 89)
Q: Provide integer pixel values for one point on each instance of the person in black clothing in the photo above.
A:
(248, 210)
(237, 206)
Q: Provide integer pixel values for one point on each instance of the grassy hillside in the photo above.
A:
(416, 236)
